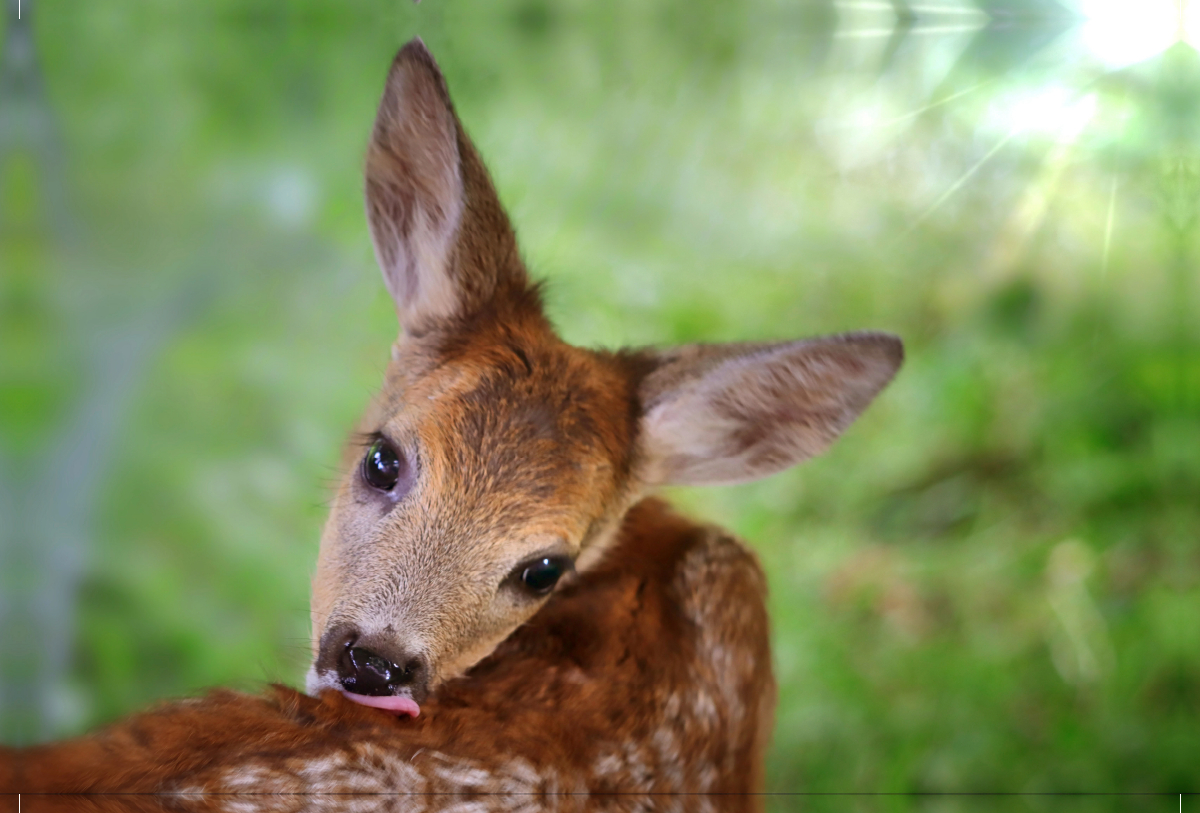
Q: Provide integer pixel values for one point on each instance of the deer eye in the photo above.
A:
(540, 575)
(382, 466)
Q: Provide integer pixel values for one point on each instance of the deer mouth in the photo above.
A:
(394, 703)
(402, 704)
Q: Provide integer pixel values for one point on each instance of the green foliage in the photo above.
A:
(991, 584)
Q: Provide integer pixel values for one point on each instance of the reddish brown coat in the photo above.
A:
(646, 681)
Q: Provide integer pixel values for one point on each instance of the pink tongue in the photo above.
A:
(396, 705)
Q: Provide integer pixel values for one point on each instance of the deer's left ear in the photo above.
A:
(731, 413)
(441, 237)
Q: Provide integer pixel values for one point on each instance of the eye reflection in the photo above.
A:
(382, 466)
(540, 575)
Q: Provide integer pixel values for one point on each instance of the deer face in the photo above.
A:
(497, 459)
(486, 468)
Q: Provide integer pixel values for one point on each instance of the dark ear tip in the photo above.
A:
(893, 347)
(415, 52)
(414, 65)
(889, 346)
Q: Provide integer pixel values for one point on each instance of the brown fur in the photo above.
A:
(649, 671)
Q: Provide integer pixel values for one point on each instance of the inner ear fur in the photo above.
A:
(731, 413)
(441, 237)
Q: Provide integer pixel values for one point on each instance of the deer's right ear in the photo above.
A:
(414, 190)
(731, 413)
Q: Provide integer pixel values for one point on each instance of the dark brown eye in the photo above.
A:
(382, 466)
(540, 575)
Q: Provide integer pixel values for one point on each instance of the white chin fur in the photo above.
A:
(314, 683)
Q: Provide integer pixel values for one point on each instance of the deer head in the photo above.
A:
(497, 459)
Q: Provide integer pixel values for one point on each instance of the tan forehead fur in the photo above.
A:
(508, 408)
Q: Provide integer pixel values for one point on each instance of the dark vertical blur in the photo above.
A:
(44, 538)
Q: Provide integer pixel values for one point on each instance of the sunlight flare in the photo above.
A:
(1120, 33)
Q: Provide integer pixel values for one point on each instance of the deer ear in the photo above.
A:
(732, 413)
(440, 235)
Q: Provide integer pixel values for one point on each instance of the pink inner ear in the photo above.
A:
(400, 706)
(721, 414)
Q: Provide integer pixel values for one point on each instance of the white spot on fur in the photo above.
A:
(190, 790)
(704, 709)
(463, 776)
(243, 804)
(607, 765)
(249, 778)
(466, 807)
(670, 758)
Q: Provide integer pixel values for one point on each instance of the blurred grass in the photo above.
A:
(990, 584)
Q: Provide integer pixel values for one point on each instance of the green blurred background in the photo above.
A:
(992, 583)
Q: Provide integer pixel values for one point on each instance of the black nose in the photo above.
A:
(364, 670)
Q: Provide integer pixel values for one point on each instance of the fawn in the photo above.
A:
(503, 472)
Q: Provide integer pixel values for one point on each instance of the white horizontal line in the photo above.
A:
(870, 5)
(887, 32)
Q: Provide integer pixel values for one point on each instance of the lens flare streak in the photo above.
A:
(963, 179)
(1108, 229)
(914, 31)
(1013, 238)
(861, 19)
(931, 106)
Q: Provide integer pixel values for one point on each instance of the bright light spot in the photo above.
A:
(1054, 110)
(1191, 23)
(1122, 32)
